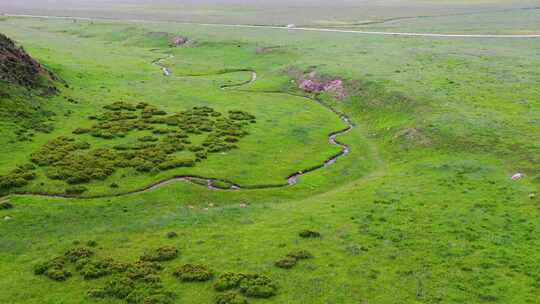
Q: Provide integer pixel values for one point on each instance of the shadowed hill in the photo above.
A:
(17, 67)
(24, 87)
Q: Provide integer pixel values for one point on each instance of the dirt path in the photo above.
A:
(310, 29)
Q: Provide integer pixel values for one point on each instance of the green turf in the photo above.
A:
(421, 211)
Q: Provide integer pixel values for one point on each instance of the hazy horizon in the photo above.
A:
(256, 11)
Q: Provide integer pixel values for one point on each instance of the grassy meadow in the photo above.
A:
(422, 209)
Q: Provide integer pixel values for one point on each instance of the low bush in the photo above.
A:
(286, 263)
(95, 269)
(300, 255)
(120, 105)
(309, 234)
(172, 235)
(80, 131)
(5, 205)
(57, 262)
(231, 298)
(228, 280)
(176, 163)
(258, 286)
(193, 273)
(19, 177)
(292, 258)
(53, 269)
(77, 253)
(142, 269)
(165, 253)
(148, 139)
(76, 190)
(57, 274)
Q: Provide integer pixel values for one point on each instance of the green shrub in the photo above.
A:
(53, 269)
(309, 234)
(119, 106)
(117, 287)
(5, 205)
(286, 263)
(176, 163)
(147, 139)
(145, 167)
(79, 131)
(165, 253)
(231, 298)
(77, 253)
(240, 115)
(95, 269)
(91, 243)
(172, 235)
(142, 269)
(76, 190)
(57, 274)
(57, 262)
(193, 273)
(300, 255)
(258, 286)
(82, 145)
(292, 258)
(228, 280)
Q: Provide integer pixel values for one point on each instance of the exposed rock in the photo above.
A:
(178, 41)
(313, 83)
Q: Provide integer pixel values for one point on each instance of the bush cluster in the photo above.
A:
(19, 177)
(251, 285)
(74, 162)
(231, 297)
(165, 253)
(76, 190)
(78, 253)
(54, 151)
(193, 273)
(55, 268)
(292, 258)
(137, 283)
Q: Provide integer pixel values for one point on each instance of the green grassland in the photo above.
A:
(422, 210)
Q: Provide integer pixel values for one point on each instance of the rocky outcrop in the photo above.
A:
(178, 41)
(17, 67)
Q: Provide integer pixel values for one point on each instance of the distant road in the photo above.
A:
(310, 29)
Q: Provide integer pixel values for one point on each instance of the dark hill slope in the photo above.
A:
(17, 67)
(26, 88)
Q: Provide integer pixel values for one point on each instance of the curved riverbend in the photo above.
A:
(223, 184)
